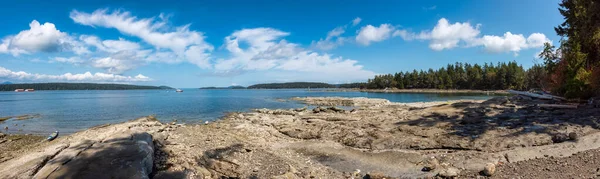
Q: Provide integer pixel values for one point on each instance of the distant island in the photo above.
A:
(229, 87)
(291, 85)
(76, 86)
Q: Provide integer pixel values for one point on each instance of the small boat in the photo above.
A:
(29, 90)
(20, 90)
(52, 136)
(178, 90)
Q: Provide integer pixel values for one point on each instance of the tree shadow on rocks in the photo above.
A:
(509, 117)
(124, 155)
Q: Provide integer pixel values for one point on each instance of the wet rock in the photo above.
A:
(560, 137)
(573, 136)
(449, 172)
(336, 109)
(319, 109)
(489, 169)
(301, 109)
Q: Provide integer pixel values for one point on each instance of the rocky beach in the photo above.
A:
(504, 137)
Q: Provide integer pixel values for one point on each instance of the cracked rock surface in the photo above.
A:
(376, 138)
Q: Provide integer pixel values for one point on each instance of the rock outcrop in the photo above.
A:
(114, 151)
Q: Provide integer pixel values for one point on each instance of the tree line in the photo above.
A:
(461, 76)
(76, 86)
(572, 69)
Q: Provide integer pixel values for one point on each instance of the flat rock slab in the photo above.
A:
(126, 155)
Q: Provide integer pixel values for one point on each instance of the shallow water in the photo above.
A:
(71, 111)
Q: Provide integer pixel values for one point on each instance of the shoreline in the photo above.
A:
(381, 138)
(440, 91)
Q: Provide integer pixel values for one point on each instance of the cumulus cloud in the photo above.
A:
(38, 38)
(356, 21)
(184, 43)
(82, 77)
(266, 50)
(446, 35)
(368, 34)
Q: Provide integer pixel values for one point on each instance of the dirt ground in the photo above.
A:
(513, 136)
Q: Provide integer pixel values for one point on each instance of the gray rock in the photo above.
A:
(336, 109)
(301, 109)
(449, 172)
(125, 155)
(573, 136)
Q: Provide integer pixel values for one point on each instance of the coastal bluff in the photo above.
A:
(504, 137)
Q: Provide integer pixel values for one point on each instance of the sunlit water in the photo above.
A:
(71, 111)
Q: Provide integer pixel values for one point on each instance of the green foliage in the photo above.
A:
(457, 76)
(572, 66)
(76, 86)
(352, 85)
(535, 77)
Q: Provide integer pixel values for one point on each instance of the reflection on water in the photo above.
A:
(71, 111)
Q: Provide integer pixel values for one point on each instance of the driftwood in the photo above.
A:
(561, 106)
(535, 95)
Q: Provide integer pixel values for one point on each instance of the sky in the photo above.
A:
(189, 44)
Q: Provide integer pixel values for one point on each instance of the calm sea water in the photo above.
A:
(71, 111)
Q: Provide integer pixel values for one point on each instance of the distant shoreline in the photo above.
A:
(77, 86)
(458, 91)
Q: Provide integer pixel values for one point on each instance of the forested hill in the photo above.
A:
(291, 85)
(464, 76)
(76, 86)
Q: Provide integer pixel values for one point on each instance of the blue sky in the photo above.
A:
(221, 43)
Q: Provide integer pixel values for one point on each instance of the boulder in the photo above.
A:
(449, 172)
(489, 169)
(127, 154)
(431, 164)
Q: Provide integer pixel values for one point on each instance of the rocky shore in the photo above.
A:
(437, 91)
(369, 138)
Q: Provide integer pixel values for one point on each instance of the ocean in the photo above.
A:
(72, 111)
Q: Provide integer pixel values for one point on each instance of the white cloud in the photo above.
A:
(121, 61)
(39, 38)
(369, 33)
(266, 51)
(537, 40)
(332, 40)
(72, 60)
(447, 36)
(111, 46)
(83, 77)
(181, 41)
(356, 21)
(511, 42)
